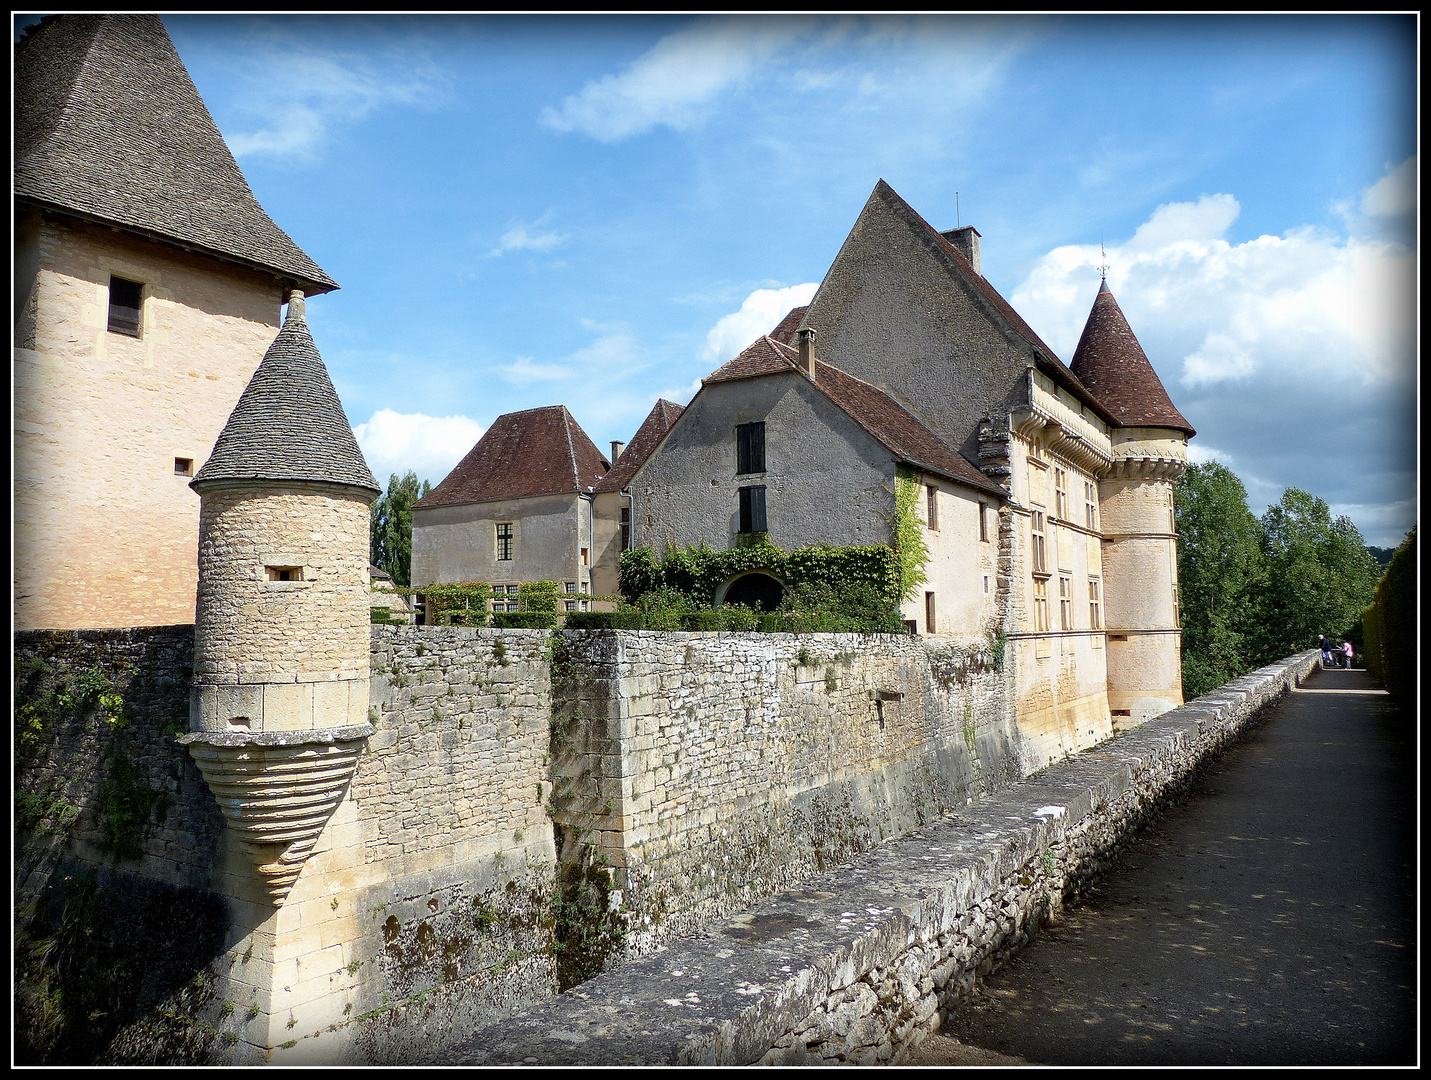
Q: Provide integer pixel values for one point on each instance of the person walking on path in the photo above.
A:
(1325, 644)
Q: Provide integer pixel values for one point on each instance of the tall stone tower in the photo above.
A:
(148, 283)
(1140, 556)
(280, 697)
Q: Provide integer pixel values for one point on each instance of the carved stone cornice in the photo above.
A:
(1038, 425)
(277, 790)
(1147, 468)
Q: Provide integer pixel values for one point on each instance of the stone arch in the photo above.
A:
(758, 589)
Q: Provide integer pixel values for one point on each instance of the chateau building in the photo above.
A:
(1045, 490)
(148, 284)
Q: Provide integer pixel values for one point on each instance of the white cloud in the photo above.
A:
(612, 355)
(759, 314)
(874, 63)
(302, 94)
(677, 81)
(528, 237)
(395, 442)
(1394, 194)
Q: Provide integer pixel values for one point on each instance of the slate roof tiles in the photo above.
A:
(288, 423)
(1113, 365)
(110, 127)
(532, 452)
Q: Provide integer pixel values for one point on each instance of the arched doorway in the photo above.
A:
(755, 589)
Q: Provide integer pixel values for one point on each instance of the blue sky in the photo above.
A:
(599, 211)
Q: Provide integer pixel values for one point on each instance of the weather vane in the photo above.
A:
(1103, 268)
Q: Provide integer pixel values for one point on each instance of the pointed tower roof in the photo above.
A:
(109, 127)
(532, 452)
(648, 436)
(1111, 363)
(289, 424)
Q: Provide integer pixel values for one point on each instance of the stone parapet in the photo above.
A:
(855, 966)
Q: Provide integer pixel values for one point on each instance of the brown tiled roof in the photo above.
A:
(109, 127)
(648, 436)
(888, 422)
(785, 329)
(533, 452)
(1045, 357)
(288, 423)
(1113, 365)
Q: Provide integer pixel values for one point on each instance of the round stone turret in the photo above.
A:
(1135, 494)
(279, 708)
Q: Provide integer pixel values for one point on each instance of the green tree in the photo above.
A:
(390, 538)
(1391, 651)
(1319, 576)
(1219, 572)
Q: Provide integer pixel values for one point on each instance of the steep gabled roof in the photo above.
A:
(1002, 311)
(532, 452)
(288, 423)
(648, 436)
(785, 329)
(1112, 364)
(888, 422)
(109, 127)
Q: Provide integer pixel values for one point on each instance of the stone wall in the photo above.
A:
(855, 966)
(707, 770)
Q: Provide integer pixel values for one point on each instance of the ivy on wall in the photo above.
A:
(908, 529)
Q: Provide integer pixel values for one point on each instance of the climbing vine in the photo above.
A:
(910, 549)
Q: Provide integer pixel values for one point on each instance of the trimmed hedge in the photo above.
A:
(524, 620)
(1389, 623)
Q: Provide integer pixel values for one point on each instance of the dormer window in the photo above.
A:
(126, 306)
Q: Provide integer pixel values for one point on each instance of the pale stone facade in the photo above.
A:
(106, 527)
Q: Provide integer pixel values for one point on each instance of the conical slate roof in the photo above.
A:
(1111, 363)
(289, 424)
(109, 127)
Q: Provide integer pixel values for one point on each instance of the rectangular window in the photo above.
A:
(570, 605)
(752, 509)
(986, 584)
(1090, 504)
(586, 586)
(1177, 608)
(1095, 608)
(626, 528)
(505, 540)
(284, 573)
(126, 303)
(1060, 494)
(1065, 603)
(983, 522)
(1040, 548)
(1040, 605)
(183, 466)
(585, 558)
(571, 586)
(929, 613)
(931, 499)
(750, 448)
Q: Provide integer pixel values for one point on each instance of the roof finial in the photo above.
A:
(1103, 267)
(958, 221)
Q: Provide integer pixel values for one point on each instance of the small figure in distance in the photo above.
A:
(1347, 653)
(1325, 644)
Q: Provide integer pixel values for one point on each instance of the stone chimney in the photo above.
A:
(295, 305)
(616, 447)
(807, 352)
(966, 239)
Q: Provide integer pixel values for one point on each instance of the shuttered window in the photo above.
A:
(750, 448)
(125, 300)
(752, 509)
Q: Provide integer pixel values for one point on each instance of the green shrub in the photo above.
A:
(538, 596)
(462, 603)
(524, 620)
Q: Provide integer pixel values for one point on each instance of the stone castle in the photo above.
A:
(403, 804)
